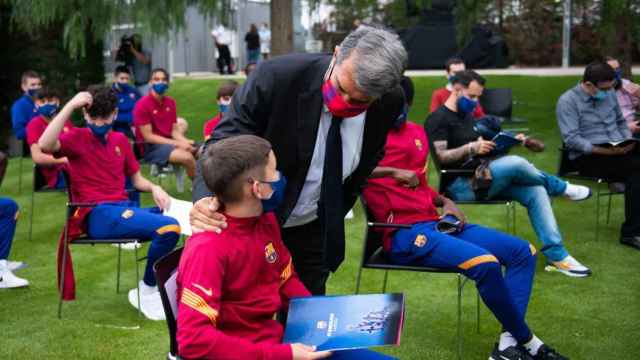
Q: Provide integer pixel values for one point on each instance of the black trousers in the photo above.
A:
(625, 168)
(307, 251)
(224, 59)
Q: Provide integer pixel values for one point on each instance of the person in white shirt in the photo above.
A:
(265, 40)
(222, 39)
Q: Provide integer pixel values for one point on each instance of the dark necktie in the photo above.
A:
(330, 208)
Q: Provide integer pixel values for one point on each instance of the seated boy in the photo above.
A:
(398, 193)
(157, 126)
(99, 160)
(440, 96)
(231, 285)
(47, 102)
(128, 96)
(225, 92)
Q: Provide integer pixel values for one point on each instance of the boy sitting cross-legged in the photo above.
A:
(99, 161)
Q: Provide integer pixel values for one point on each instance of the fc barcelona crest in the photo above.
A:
(418, 143)
(420, 241)
(117, 149)
(270, 253)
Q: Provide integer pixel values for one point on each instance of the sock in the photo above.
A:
(533, 345)
(506, 340)
(147, 289)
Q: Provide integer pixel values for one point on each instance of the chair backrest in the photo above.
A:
(372, 238)
(165, 270)
(497, 102)
(40, 183)
(444, 179)
(67, 182)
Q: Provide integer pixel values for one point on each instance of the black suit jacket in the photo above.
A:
(281, 101)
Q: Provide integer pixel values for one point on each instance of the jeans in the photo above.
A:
(8, 219)
(514, 178)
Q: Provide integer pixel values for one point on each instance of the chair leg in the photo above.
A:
(20, 174)
(358, 280)
(118, 269)
(513, 216)
(384, 284)
(135, 261)
(32, 210)
(460, 285)
(477, 312)
(598, 210)
(609, 209)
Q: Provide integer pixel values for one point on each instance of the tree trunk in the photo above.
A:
(281, 27)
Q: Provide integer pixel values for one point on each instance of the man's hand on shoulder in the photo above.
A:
(204, 216)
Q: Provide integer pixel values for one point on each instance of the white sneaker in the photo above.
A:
(577, 192)
(15, 265)
(8, 280)
(150, 302)
(570, 267)
(128, 246)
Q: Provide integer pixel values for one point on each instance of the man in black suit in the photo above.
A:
(327, 118)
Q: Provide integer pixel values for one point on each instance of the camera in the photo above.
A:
(124, 53)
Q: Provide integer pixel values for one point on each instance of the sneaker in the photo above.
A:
(8, 280)
(510, 353)
(577, 192)
(547, 353)
(15, 265)
(150, 303)
(180, 177)
(128, 246)
(570, 267)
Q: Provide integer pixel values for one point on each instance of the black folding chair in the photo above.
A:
(374, 257)
(39, 186)
(447, 176)
(499, 102)
(86, 240)
(165, 270)
(568, 170)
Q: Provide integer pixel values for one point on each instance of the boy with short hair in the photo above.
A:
(158, 127)
(47, 104)
(440, 96)
(231, 285)
(24, 109)
(99, 161)
(128, 96)
(225, 92)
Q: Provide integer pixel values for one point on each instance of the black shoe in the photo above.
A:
(510, 353)
(633, 241)
(547, 353)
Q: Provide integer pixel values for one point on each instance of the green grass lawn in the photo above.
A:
(592, 318)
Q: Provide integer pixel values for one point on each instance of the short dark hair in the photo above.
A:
(29, 74)
(47, 92)
(466, 77)
(227, 88)
(407, 86)
(105, 101)
(162, 70)
(598, 72)
(229, 163)
(121, 69)
(453, 61)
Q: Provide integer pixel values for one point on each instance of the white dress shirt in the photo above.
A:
(351, 131)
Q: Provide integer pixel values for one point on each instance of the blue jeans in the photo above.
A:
(514, 178)
(479, 253)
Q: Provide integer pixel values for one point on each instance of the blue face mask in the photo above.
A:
(223, 108)
(32, 92)
(124, 87)
(619, 75)
(451, 78)
(277, 195)
(160, 88)
(48, 110)
(100, 131)
(466, 105)
(402, 118)
(600, 95)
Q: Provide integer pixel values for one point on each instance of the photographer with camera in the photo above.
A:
(131, 53)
